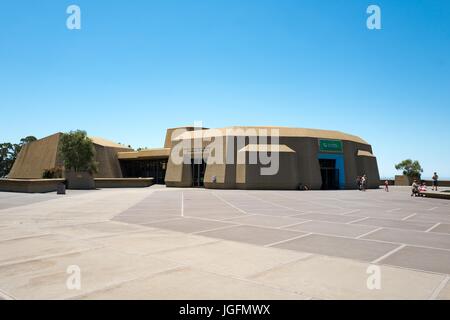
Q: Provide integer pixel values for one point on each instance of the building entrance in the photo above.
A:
(198, 168)
(330, 174)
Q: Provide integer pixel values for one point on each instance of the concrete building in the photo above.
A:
(226, 158)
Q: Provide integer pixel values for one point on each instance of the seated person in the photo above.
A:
(423, 188)
(415, 189)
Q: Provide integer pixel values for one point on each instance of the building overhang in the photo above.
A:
(146, 154)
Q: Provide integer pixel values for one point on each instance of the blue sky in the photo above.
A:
(138, 67)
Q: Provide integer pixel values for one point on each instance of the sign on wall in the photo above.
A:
(330, 145)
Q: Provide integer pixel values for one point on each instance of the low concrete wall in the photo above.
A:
(437, 195)
(123, 182)
(30, 185)
(441, 183)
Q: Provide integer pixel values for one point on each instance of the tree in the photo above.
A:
(9, 152)
(411, 169)
(77, 152)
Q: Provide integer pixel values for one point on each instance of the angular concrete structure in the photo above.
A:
(226, 158)
(41, 155)
(316, 159)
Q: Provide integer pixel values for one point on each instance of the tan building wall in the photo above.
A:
(299, 167)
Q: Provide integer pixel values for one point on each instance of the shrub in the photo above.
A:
(77, 152)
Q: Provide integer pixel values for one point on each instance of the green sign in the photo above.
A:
(330, 146)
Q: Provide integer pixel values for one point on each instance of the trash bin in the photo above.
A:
(61, 188)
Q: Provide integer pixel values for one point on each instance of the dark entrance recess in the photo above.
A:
(155, 169)
(198, 168)
(330, 174)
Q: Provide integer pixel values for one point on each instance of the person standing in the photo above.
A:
(435, 182)
(386, 186)
(358, 182)
(363, 183)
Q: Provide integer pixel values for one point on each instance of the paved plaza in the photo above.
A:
(162, 243)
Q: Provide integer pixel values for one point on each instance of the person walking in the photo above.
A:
(435, 182)
(386, 186)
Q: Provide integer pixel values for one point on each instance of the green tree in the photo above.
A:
(77, 152)
(9, 152)
(411, 169)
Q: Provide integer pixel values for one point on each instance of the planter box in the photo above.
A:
(30, 185)
(80, 180)
(123, 182)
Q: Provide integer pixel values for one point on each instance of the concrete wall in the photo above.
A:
(42, 154)
(300, 168)
(30, 185)
(102, 183)
(35, 157)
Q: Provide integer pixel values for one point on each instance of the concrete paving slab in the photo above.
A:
(151, 241)
(17, 232)
(267, 221)
(388, 223)
(416, 238)
(432, 217)
(336, 278)
(252, 235)
(47, 278)
(190, 225)
(232, 258)
(362, 250)
(444, 294)
(442, 228)
(142, 220)
(326, 217)
(330, 228)
(190, 284)
(433, 260)
(31, 248)
(95, 230)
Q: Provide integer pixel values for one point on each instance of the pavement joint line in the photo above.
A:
(410, 216)
(215, 229)
(358, 220)
(119, 283)
(350, 212)
(272, 203)
(228, 203)
(150, 222)
(306, 255)
(287, 240)
(234, 277)
(6, 296)
(294, 224)
(439, 288)
(431, 209)
(26, 237)
(393, 210)
(49, 256)
(433, 227)
(369, 233)
(240, 217)
(389, 254)
(314, 203)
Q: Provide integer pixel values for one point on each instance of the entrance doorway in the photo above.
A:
(198, 168)
(330, 174)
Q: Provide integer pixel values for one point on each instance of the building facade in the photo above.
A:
(226, 158)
